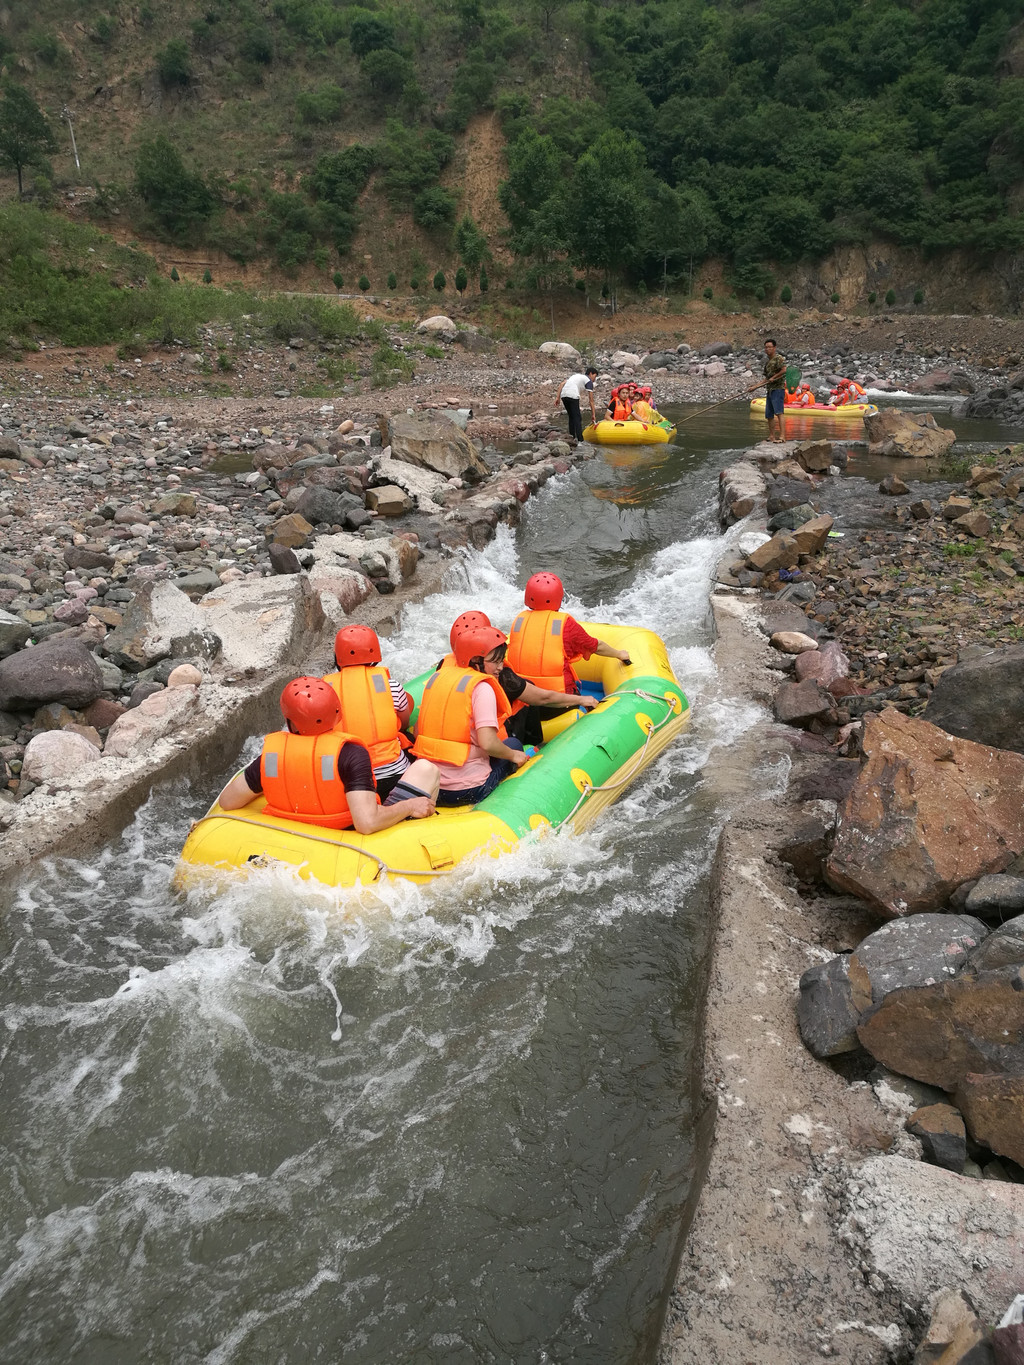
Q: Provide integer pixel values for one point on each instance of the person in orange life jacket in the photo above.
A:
(846, 391)
(530, 704)
(461, 725)
(316, 774)
(803, 398)
(375, 708)
(544, 641)
(619, 409)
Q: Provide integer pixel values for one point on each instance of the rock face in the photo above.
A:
(56, 755)
(994, 1109)
(996, 897)
(160, 623)
(917, 951)
(151, 720)
(560, 350)
(740, 488)
(57, 670)
(926, 813)
(434, 443)
(917, 1228)
(263, 622)
(894, 432)
(939, 1034)
(982, 699)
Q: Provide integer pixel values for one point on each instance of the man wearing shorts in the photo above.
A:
(775, 396)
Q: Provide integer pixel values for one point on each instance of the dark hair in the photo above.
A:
(770, 339)
(592, 369)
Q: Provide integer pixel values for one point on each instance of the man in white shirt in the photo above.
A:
(571, 394)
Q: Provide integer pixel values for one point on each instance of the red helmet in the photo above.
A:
(544, 592)
(469, 620)
(356, 645)
(472, 644)
(647, 389)
(310, 706)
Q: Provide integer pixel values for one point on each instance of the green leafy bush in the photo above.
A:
(411, 161)
(440, 283)
(180, 200)
(323, 105)
(485, 283)
(207, 276)
(461, 280)
(872, 297)
(434, 208)
(708, 293)
(834, 296)
(370, 33)
(174, 64)
(919, 296)
(364, 283)
(337, 279)
(392, 280)
(174, 274)
(890, 297)
(786, 294)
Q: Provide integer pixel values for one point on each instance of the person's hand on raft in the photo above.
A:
(587, 703)
(623, 656)
(420, 807)
(518, 757)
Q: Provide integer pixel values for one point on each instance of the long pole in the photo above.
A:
(69, 119)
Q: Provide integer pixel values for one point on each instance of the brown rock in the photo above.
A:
(291, 531)
(927, 813)
(800, 703)
(408, 555)
(983, 474)
(811, 536)
(814, 456)
(922, 509)
(792, 642)
(994, 1109)
(102, 712)
(435, 443)
(346, 586)
(185, 675)
(389, 501)
(942, 1134)
(974, 523)
(955, 1333)
(955, 507)
(894, 431)
(828, 664)
(175, 505)
(892, 486)
(940, 1034)
(781, 552)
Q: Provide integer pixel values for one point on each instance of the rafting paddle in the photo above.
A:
(793, 377)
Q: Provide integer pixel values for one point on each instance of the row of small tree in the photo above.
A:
(439, 281)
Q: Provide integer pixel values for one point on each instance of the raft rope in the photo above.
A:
(587, 791)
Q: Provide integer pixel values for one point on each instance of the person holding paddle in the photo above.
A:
(775, 394)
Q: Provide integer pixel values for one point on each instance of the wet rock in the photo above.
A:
(160, 622)
(807, 839)
(389, 501)
(1004, 947)
(785, 493)
(13, 633)
(917, 951)
(896, 432)
(150, 721)
(801, 703)
(982, 698)
(812, 535)
(938, 1034)
(780, 552)
(993, 1107)
(814, 456)
(917, 1227)
(996, 896)
(825, 1013)
(892, 486)
(942, 1135)
(434, 443)
(56, 755)
(922, 509)
(291, 531)
(59, 670)
(793, 517)
(894, 846)
(283, 559)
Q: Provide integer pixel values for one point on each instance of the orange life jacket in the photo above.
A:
(367, 709)
(535, 649)
(621, 412)
(300, 778)
(445, 721)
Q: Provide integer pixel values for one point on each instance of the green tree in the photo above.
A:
(786, 296)
(470, 243)
(604, 206)
(25, 135)
(890, 297)
(180, 200)
(433, 208)
(387, 73)
(369, 33)
(338, 280)
(174, 64)
(484, 281)
(461, 280)
(364, 283)
(440, 282)
(392, 280)
(207, 276)
(174, 274)
(325, 104)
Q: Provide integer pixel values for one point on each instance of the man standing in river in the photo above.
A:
(571, 395)
(775, 395)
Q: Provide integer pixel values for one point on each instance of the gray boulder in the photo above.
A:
(825, 1011)
(321, 506)
(434, 443)
(59, 670)
(13, 633)
(916, 951)
(717, 348)
(161, 622)
(982, 698)
(996, 896)
(1004, 947)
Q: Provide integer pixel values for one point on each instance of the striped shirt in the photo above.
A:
(403, 705)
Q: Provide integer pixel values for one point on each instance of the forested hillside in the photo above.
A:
(639, 138)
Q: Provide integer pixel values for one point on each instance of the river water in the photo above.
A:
(280, 1123)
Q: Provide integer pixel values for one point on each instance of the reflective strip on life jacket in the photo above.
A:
(367, 709)
(299, 774)
(444, 725)
(535, 648)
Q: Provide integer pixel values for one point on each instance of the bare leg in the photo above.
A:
(423, 774)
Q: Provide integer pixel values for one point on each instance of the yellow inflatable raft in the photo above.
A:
(631, 433)
(586, 761)
(847, 413)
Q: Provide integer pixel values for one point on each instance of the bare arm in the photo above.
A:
(370, 818)
(607, 652)
(487, 737)
(558, 395)
(236, 794)
(533, 695)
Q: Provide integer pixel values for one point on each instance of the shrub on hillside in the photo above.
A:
(890, 297)
(440, 282)
(786, 296)
(434, 208)
(180, 200)
(369, 33)
(364, 283)
(461, 280)
(411, 161)
(174, 64)
(392, 280)
(323, 105)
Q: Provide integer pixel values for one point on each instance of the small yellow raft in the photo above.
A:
(630, 433)
(847, 413)
(586, 761)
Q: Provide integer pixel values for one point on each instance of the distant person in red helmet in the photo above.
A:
(543, 640)
(461, 724)
(376, 708)
(315, 774)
